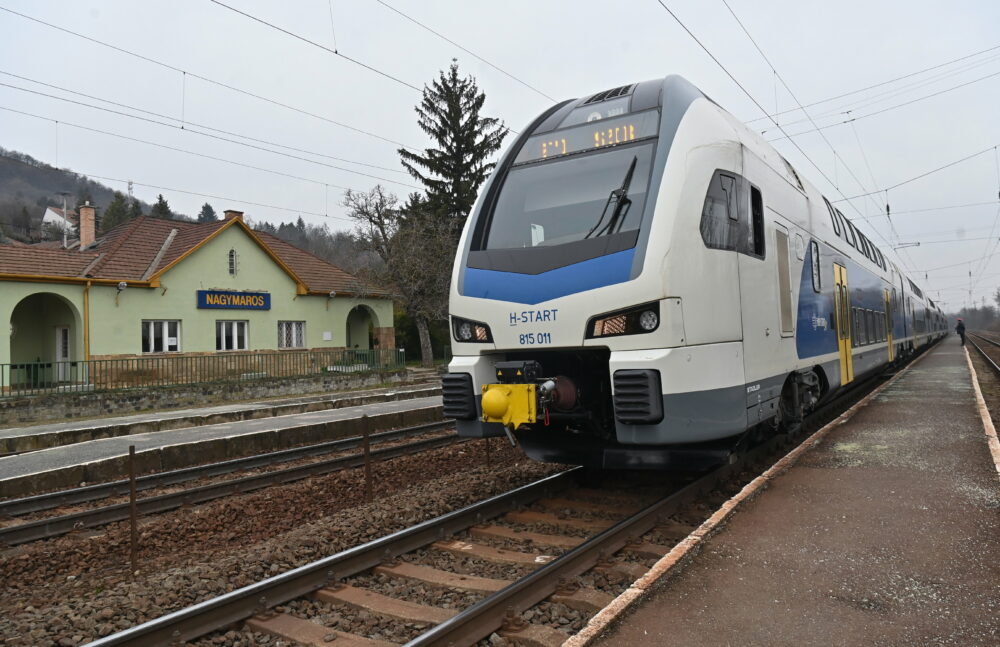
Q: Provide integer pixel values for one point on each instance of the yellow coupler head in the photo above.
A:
(510, 404)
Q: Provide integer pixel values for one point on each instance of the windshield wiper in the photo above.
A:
(622, 203)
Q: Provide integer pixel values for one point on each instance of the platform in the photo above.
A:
(55, 434)
(104, 459)
(887, 532)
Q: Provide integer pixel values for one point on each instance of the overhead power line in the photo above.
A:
(464, 49)
(880, 84)
(320, 46)
(210, 135)
(933, 209)
(852, 118)
(197, 193)
(171, 148)
(922, 175)
(211, 81)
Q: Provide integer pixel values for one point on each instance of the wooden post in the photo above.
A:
(366, 445)
(132, 511)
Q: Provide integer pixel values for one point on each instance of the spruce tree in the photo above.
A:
(116, 213)
(134, 209)
(161, 209)
(453, 171)
(207, 214)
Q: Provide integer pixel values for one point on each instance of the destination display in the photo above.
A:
(227, 300)
(599, 133)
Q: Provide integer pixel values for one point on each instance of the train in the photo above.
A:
(646, 283)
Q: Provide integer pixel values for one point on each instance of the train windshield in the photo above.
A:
(572, 198)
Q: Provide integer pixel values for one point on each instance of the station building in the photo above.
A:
(159, 288)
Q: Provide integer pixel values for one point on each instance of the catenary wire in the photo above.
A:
(315, 44)
(467, 51)
(197, 193)
(204, 134)
(922, 175)
(211, 81)
(172, 148)
(880, 97)
(883, 110)
(877, 85)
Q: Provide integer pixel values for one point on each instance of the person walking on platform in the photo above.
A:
(960, 329)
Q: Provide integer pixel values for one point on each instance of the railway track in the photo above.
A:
(58, 525)
(987, 357)
(551, 537)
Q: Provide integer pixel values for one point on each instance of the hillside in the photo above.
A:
(27, 186)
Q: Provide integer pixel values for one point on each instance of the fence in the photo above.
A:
(35, 378)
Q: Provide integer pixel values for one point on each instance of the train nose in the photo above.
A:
(496, 403)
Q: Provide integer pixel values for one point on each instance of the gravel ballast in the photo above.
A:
(70, 590)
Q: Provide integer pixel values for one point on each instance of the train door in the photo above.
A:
(842, 304)
(888, 324)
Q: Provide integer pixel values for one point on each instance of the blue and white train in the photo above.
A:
(644, 282)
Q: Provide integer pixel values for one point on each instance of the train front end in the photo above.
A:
(559, 313)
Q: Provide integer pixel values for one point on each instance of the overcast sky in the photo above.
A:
(562, 49)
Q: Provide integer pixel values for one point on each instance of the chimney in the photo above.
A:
(229, 214)
(87, 224)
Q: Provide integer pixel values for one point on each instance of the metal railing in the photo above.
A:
(37, 378)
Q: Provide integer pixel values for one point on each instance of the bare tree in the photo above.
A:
(415, 249)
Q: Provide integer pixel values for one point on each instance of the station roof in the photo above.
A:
(142, 249)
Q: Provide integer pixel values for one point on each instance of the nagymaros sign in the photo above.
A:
(227, 300)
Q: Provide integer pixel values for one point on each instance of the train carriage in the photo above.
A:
(644, 282)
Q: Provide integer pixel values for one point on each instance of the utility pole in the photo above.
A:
(65, 217)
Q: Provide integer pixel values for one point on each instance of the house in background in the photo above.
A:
(163, 288)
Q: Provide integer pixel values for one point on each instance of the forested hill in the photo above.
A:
(27, 186)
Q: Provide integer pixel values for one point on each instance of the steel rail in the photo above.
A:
(984, 338)
(55, 526)
(41, 502)
(486, 616)
(210, 615)
(989, 360)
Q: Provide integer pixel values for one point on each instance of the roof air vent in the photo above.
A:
(610, 94)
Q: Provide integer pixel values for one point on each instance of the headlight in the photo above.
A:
(470, 332)
(633, 321)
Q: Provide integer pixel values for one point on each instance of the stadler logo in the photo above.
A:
(234, 300)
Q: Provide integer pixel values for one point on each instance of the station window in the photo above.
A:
(233, 262)
(291, 334)
(231, 335)
(161, 336)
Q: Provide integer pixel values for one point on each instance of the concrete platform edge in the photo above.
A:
(254, 411)
(984, 413)
(170, 457)
(687, 548)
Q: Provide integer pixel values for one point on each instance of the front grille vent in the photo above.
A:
(459, 398)
(609, 94)
(638, 399)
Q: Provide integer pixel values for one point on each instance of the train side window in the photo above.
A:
(869, 326)
(856, 329)
(833, 217)
(721, 224)
(848, 229)
(816, 274)
(757, 216)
